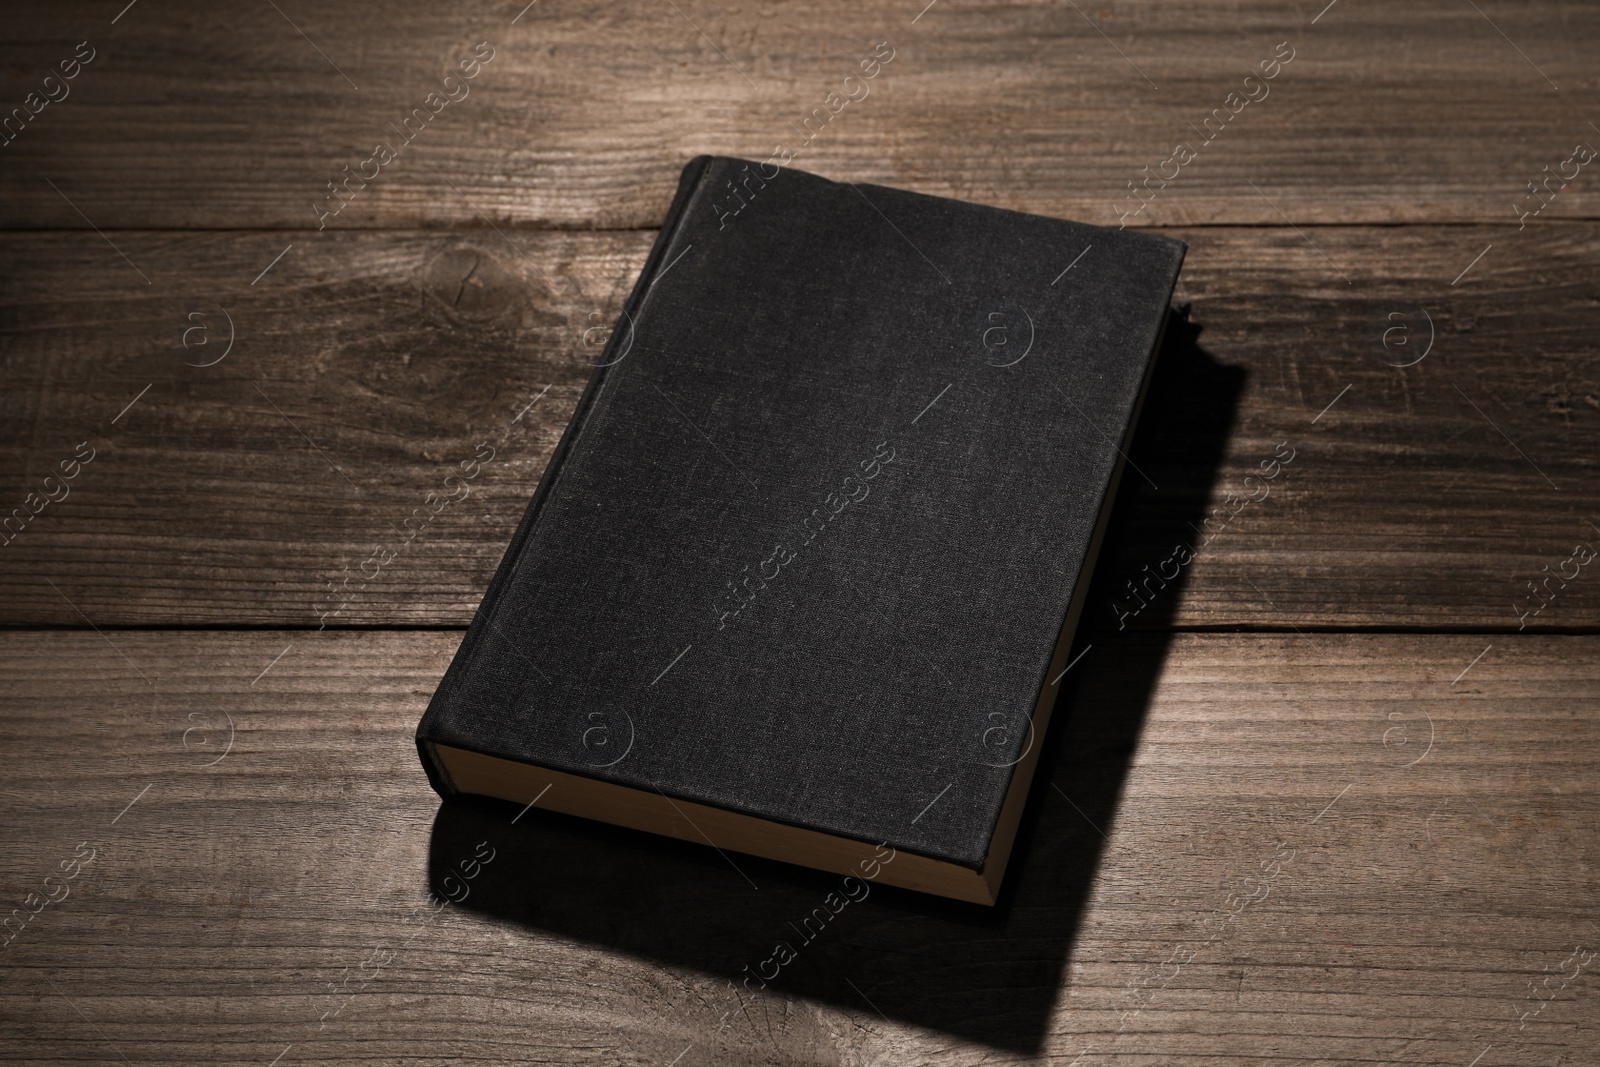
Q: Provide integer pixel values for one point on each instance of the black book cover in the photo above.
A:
(808, 548)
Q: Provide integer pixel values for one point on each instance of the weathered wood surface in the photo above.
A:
(366, 367)
(1291, 848)
(1324, 849)
(191, 118)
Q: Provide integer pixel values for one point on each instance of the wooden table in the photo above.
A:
(1329, 797)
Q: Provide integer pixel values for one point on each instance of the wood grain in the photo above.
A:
(367, 367)
(1288, 847)
(1324, 848)
(1435, 111)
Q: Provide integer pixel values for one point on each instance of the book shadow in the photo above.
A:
(987, 975)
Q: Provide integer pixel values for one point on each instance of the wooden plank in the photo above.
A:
(322, 431)
(366, 368)
(1433, 111)
(1320, 848)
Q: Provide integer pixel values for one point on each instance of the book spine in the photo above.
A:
(689, 184)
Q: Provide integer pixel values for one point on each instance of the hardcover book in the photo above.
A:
(801, 578)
